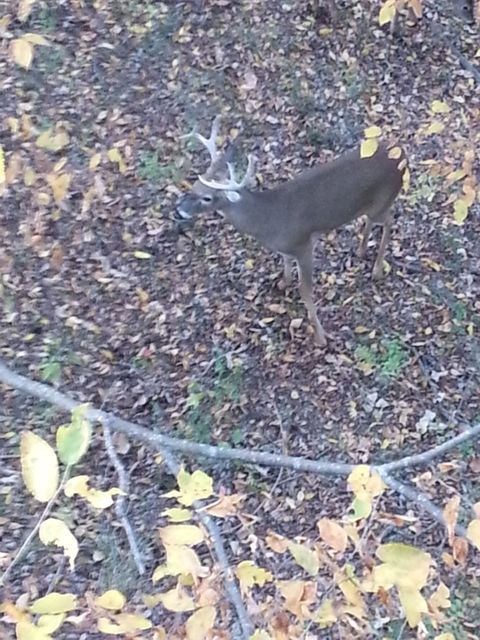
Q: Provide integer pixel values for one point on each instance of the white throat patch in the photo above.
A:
(232, 196)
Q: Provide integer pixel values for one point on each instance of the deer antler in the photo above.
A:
(232, 184)
(209, 142)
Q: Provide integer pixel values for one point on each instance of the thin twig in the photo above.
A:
(28, 540)
(120, 502)
(419, 498)
(55, 397)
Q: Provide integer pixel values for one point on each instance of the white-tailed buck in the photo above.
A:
(288, 217)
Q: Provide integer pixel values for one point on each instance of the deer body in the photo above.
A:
(287, 218)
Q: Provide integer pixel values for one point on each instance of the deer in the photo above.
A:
(289, 217)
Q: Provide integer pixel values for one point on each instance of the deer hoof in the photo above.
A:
(377, 273)
(321, 340)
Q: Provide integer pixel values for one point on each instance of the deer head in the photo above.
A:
(218, 188)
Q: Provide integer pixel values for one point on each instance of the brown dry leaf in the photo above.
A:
(277, 543)
(460, 550)
(299, 596)
(450, 514)
(333, 534)
(226, 505)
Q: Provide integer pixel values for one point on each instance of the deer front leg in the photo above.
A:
(287, 269)
(378, 266)
(305, 273)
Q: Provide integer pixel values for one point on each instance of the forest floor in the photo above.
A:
(107, 296)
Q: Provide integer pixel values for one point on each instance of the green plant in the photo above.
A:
(54, 357)
(426, 186)
(152, 170)
(393, 358)
(47, 19)
(388, 360)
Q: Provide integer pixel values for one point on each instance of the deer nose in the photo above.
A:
(181, 209)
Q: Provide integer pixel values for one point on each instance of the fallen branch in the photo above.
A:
(109, 422)
(417, 497)
(120, 508)
(165, 443)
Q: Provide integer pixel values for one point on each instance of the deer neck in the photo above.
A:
(243, 213)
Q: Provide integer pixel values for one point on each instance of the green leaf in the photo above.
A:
(74, 439)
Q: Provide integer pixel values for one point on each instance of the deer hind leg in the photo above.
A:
(362, 249)
(377, 272)
(305, 273)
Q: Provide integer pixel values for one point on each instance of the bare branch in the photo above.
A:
(419, 498)
(120, 509)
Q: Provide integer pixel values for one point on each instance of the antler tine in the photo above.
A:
(209, 142)
(232, 184)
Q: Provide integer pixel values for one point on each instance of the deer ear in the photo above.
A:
(232, 196)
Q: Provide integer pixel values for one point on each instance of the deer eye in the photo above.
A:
(207, 198)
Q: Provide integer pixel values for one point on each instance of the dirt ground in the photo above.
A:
(183, 327)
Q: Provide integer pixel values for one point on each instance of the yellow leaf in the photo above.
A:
(458, 174)
(29, 177)
(103, 499)
(54, 531)
(440, 599)
(195, 486)
(200, 623)
(94, 161)
(114, 155)
(123, 623)
(182, 534)
(373, 132)
(22, 52)
(111, 599)
(76, 485)
(460, 211)
(177, 515)
(404, 566)
(368, 148)
(387, 12)
(50, 622)
(177, 600)
(53, 140)
(59, 185)
(333, 534)
(249, 574)
(182, 560)
(435, 127)
(24, 9)
(414, 604)
(39, 466)
(445, 636)
(35, 38)
(406, 179)
(438, 106)
(142, 255)
(325, 615)
(395, 153)
(25, 630)
(473, 532)
(54, 603)
(304, 557)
